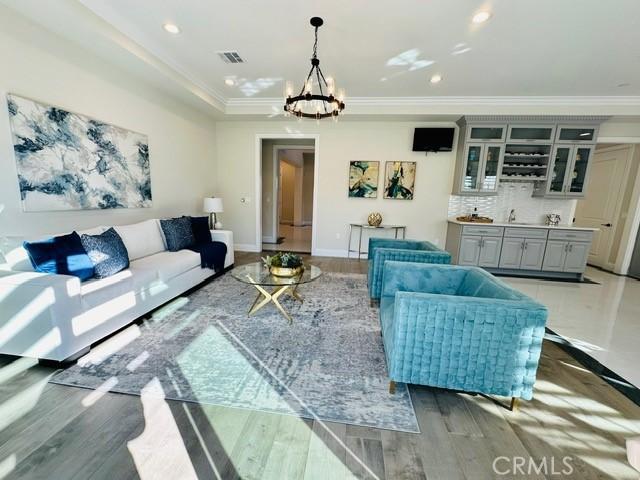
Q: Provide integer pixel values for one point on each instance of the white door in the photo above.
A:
(601, 206)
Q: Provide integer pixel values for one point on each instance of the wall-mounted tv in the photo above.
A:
(433, 139)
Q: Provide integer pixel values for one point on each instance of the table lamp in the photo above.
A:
(213, 205)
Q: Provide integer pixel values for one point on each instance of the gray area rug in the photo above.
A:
(203, 348)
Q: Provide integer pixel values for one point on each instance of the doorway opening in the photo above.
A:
(288, 184)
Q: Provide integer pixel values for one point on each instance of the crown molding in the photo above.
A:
(535, 118)
(460, 100)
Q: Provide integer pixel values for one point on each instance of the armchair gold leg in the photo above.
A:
(515, 404)
(392, 387)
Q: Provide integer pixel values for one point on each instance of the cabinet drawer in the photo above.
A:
(525, 232)
(484, 231)
(571, 235)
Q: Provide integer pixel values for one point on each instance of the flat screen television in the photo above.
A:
(433, 139)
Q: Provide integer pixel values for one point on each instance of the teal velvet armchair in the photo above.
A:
(459, 328)
(383, 249)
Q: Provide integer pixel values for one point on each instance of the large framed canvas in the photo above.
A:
(68, 161)
(363, 179)
(399, 180)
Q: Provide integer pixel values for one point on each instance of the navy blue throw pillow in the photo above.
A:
(63, 255)
(201, 232)
(178, 233)
(107, 252)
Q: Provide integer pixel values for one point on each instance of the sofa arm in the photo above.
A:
(465, 343)
(384, 255)
(36, 312)
(226, 237)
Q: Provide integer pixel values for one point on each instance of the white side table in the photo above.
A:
(226, 237)
(366, 226)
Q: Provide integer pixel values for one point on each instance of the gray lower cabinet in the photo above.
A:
(537, 252)
(565, 256)
(511, 255)
(522, 253)
(554, 256)
(480, 251)
(577, 255)
(533, 254)
(469, 250)
(490, 252)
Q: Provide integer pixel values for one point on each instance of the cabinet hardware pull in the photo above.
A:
(571, 247)
(606, 225)
(524, 245)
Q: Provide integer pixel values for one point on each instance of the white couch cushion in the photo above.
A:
(96, 292)
(141, 239)
(144, 278)
(168, 264)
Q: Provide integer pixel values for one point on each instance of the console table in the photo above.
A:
(365, 226)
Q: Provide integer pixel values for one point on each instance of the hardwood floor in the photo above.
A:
(57, 432)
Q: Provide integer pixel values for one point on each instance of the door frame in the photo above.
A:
(258, 181)
(276, 179)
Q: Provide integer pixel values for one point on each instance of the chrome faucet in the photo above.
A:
(512, 216)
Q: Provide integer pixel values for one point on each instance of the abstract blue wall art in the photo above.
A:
(68, 161)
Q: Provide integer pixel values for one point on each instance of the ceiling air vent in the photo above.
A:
(230, 57)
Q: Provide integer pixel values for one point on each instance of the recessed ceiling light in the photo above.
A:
(435, 78)
(230, 81)
(481, 17)
(171, 28)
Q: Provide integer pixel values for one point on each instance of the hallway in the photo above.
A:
(296, 239)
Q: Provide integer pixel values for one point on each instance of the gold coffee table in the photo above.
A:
(258, 275)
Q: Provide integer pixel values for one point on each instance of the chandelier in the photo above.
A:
(315, 105)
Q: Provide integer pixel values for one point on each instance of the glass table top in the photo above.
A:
(257, 274)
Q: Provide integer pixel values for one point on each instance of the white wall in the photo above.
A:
(338, 143)
(42, 66)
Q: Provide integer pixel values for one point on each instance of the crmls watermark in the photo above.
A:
(548, 466)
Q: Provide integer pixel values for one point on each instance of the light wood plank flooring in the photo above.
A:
(57, 432)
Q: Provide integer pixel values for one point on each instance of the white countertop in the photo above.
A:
(522, 225)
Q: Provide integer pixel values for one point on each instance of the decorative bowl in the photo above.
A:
(286, 271)
(374, 219)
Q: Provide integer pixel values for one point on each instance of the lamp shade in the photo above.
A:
(213, 205)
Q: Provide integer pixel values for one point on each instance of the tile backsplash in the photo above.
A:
(515, 196)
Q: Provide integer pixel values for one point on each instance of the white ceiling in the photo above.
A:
(535, 56)
(383, 49)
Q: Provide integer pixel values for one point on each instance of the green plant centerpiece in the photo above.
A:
(284, 264)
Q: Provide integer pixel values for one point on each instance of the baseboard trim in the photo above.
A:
(325, 252)
(246, 247)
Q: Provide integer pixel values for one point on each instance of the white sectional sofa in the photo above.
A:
(57, 317)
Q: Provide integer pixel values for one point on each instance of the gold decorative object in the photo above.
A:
(286, 271)
(374, 219)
